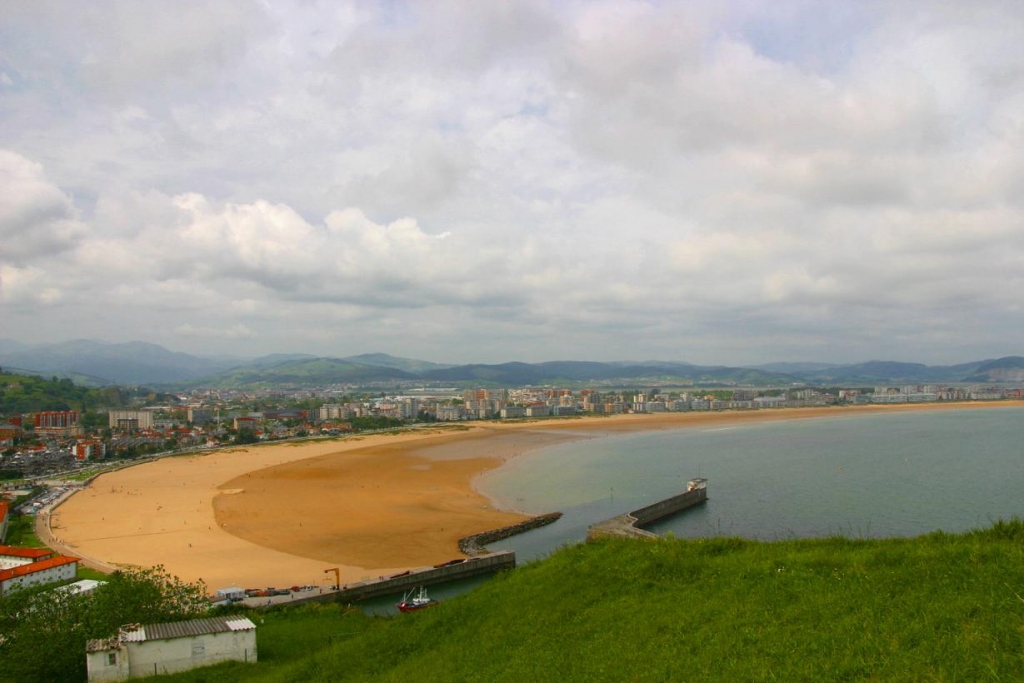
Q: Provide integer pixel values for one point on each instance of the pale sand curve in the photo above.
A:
(280, 514)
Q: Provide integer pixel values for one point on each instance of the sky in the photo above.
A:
(720, 183)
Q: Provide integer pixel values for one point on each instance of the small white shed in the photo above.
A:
(165, 648)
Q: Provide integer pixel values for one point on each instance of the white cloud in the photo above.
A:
(233, 332)
(724, 184)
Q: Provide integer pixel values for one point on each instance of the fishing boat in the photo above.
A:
(416, 600)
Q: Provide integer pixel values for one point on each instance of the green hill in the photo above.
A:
(28, 394)
(303, 371)
(940, 607)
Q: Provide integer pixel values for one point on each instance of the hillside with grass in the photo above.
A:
(941, 607)
(28, 393)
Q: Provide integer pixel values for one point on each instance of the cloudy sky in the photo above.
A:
(752, 181)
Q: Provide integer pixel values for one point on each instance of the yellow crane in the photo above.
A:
(337, 576)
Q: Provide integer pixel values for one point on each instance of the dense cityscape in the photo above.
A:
(42, 443)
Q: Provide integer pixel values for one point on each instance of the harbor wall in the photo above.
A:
(414, 578)
(669, 506)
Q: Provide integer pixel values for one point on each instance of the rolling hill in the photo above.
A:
(135, 363)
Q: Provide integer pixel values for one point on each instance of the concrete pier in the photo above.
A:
(628, 525)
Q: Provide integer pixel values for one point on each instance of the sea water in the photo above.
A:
(856, 475)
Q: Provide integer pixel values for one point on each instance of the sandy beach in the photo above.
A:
(280, 514)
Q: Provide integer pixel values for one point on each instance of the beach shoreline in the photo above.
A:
(281, 514)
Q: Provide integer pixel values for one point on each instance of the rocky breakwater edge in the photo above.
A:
(477, 543)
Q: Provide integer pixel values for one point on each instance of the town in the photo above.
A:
(51, 443)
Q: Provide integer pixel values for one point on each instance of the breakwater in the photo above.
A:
(477, 543)
(628, 524)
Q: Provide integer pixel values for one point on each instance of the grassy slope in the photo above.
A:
(21, 531)
(940, 607)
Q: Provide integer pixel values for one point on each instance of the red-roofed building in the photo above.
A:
(4, 509)
(14, 556)
(59, 568)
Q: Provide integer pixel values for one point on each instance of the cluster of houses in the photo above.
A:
(534, 402)
(199, 425)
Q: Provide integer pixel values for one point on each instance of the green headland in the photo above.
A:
(940, 607)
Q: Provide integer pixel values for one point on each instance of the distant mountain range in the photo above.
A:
(1001, 370)
(133, 363)
(98, 363)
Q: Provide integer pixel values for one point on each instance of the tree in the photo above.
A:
(44, 634)
(245, 436)
(43, 631)
(147, 596)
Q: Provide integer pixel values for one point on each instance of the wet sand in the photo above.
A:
(280, 514)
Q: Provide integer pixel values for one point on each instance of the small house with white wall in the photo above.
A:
(153, 649)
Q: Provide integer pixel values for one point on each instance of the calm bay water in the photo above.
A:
(861, 476)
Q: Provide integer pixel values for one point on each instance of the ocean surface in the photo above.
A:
(860, 476)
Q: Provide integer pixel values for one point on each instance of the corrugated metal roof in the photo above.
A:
(184, 629)
(242, 624)
(137, 634)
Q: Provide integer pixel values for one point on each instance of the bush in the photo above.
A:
(43, 631)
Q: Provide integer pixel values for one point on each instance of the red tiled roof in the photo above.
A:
(4, 505)
(15, 551)
(42, 565)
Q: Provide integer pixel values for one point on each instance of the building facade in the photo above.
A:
(131, 419)
(57, 423)
(34, 573)
(89, 450)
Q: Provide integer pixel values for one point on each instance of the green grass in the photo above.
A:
(286, 636)
(89, 473)
(941, 607)
(21, 531)
(86, 573)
